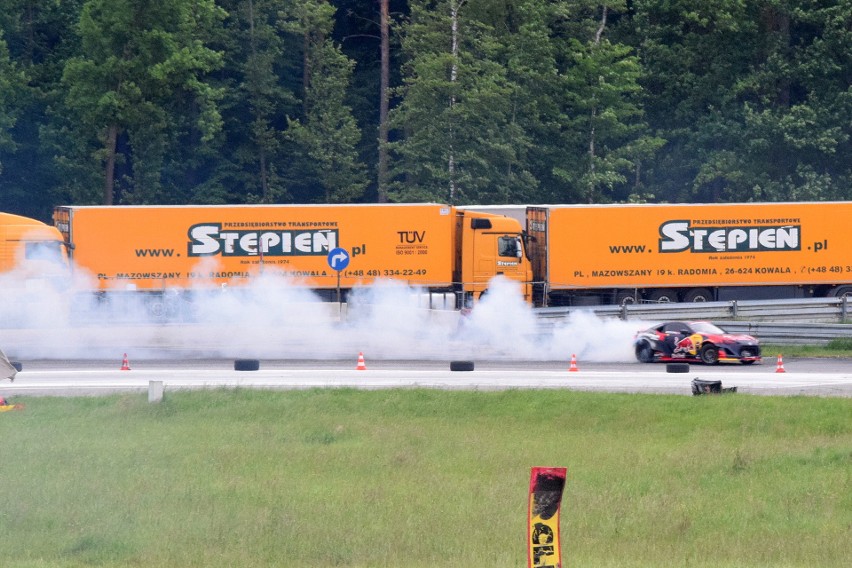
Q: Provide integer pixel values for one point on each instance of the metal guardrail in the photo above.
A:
(801, 321)
(789, 334)
(814, 310)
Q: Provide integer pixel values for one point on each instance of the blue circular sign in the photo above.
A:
(338, 259)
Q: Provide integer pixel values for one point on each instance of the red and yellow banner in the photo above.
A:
(546, 485)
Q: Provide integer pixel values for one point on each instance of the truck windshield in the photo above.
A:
(509, 246)
(43, 250)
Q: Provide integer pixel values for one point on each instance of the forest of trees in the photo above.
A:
(455, 101)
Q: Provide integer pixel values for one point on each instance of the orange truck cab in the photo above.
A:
(30, 251)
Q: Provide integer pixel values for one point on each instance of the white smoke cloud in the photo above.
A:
(595, 339)
(276, 318)
(505, 327)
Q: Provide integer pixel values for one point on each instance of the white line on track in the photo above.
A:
(78, 383)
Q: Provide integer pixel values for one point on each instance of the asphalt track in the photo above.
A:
(806, 377)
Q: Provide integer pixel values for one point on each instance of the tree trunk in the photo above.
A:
(593, 117)
(777, 24)
(382, 173)
(592, 155)
(306, 71)
(451, 162)
(261, 158)
(109, 177)
(264, 178)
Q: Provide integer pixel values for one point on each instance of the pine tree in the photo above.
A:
(142, 68)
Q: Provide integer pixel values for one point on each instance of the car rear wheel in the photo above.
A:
(709, 354)
(644, 353)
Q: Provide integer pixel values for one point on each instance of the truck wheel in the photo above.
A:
(625, 297)
(663, 296)
(644, 353)
(698, 295)
(156, 309)
(246, 365)
(677, 368)
(709, 354)
(841, 292)
(461, 365)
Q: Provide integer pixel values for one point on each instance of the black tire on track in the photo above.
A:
(677, 367)
(461, 365)
(246, 364)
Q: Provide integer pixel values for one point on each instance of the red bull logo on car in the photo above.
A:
(688, 346)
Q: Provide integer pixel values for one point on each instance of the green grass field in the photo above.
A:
(834, 349)
(423, 479)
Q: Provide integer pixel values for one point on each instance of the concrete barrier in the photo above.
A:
(155, 391)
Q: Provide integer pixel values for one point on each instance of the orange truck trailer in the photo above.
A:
(616, 254)
(327, 248)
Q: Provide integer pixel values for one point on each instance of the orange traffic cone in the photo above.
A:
(573, 368)
(362, 366)
(780, 367)
(125, 366)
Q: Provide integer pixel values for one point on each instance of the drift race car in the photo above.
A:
(693, 342)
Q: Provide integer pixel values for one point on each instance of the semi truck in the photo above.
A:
(617, 254)
(558, 254)
(164, 253)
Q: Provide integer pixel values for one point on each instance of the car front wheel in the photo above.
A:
(709, 354)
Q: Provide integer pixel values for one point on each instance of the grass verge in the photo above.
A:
(423, 478)
(840, 348)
